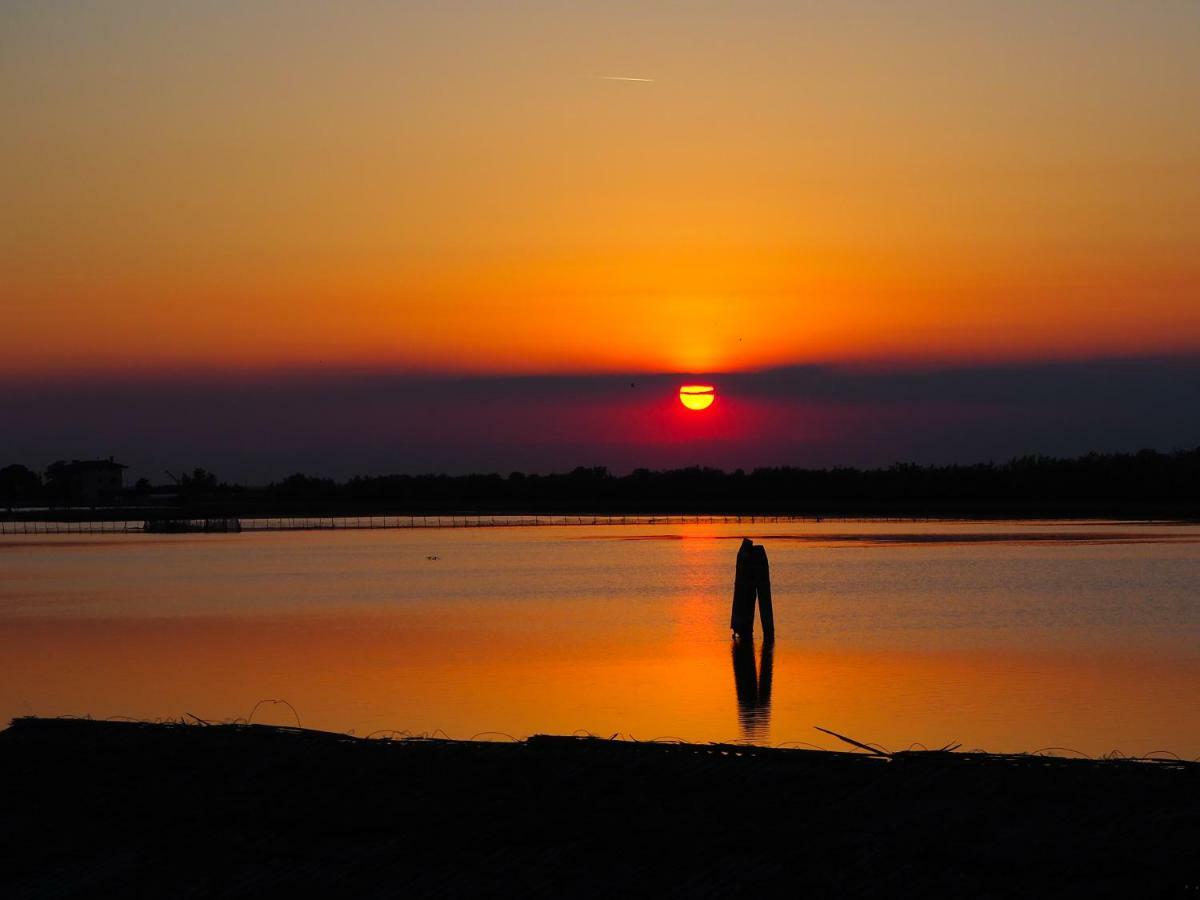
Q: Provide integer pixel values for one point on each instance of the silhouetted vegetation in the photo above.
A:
(1147, 483)
(56, 480)
(200, 483)
(17, 484)
(97, 809)
(1145, 478)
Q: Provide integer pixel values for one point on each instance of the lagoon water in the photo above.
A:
(1001, 636)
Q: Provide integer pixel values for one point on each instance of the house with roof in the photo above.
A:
(86, 481)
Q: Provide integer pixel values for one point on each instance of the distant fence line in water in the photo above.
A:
(362, 523)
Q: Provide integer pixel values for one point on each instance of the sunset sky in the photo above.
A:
(250, 193)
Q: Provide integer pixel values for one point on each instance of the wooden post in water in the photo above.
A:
(741, 619)
(752, 577)
(762, 584)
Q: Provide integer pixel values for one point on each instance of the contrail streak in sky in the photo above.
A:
(624, 78)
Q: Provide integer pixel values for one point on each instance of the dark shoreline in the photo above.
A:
(97, 808)
(1142, 485)
(1155, 514)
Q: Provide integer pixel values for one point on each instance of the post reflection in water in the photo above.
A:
(1008, 645)
(753, 687)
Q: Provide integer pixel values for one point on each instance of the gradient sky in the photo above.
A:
(248, 190)
(455, 185)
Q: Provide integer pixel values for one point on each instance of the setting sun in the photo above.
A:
(697, 396)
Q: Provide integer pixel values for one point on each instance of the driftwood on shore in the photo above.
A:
(96, 808)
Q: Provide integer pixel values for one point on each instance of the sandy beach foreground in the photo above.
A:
(102, 808)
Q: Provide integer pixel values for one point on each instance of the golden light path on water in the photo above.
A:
(999, 636)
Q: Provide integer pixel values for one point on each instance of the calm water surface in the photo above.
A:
(996, 635)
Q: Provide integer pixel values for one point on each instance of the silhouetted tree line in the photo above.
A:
(19, 484)
(200, 483)
(1097, 479)
(1143, 483)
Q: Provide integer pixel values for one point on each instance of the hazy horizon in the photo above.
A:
(266, 237)
(346, 424)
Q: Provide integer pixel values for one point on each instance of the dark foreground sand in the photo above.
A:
(92, 809)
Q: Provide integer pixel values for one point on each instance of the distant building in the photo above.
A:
(86, 481)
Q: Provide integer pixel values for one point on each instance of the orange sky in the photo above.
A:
(457, 187)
